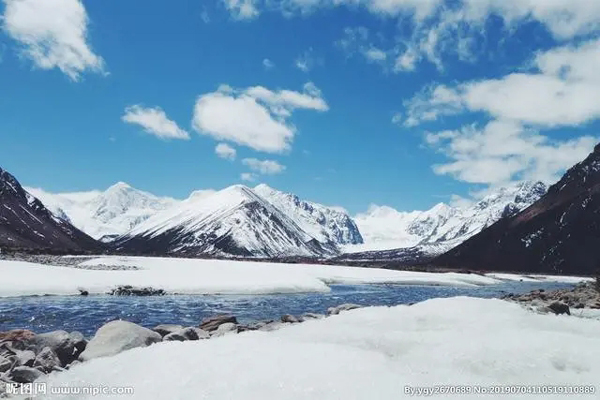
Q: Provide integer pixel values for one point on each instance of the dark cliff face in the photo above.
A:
(25, 223)
(559, 233)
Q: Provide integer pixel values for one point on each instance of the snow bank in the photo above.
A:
(192, 276)
(538, 278)
(372, 353)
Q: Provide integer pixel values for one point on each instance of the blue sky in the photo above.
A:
(399, 102)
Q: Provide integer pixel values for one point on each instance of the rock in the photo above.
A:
(25, 374)
(175, 336)
(212, 323)
(16, 335)
(289, 319)
(83, 292)
(78, 341)
(224, 329)
(47, 360)
(192, 333)
(309, 316)
(164, 330)
(579, 305)
(116, 337)
(5, 364)
(128, 290)
(65, 345)
(558, 308)
(340, 308)
(25, 357)
(254, 326)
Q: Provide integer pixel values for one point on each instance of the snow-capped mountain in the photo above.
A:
(234, 221)
(559, 233)
(26, 224)
(327, 225)
(104, 215)
(442, 227)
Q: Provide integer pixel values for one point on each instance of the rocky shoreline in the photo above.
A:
(26, 356)
(585, 295)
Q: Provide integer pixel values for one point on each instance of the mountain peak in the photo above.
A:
(119, 186)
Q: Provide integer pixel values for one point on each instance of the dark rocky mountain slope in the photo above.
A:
(559, 233)
(26, 224)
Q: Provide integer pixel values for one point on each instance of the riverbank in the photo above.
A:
(373, 352)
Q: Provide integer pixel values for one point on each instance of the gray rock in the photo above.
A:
(25, 374)
(79, 342)
(25, 357)
(271, 326)
(224, 329)
(66, 346)
(164, 330)
(5, 364)
(47, 360)
(128, 290)
(343, 307)
(289, 319)
(309, 316)
(192, 333)
(116, 337)
(558, 308)
(212, 323)
(175, 336)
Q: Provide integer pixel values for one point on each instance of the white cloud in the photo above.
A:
(432, 29)
(264, 167)
(242, 9)
(255, 117)
(225, 151)
(563, 91)
(268, 64)
(154, 121)
(247, 176)
(504, 151)
(53, 34)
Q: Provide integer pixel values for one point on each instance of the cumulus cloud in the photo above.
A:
(504, 151)
(562, 91)
(53, 34)
(242, 9)
(155, 122)
(256, 117)
(225, 151)
(264, 167)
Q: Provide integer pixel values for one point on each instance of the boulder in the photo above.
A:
(224, 329)
(289, 319)
(192, 333)
(25, 357)
(25, 374)
(343, 307)
(47, 360)
(212, 323)
(5, 364)
(309, 316)
(175, 336)
(558, 308)
(271, 326)
(164, 330)
(116, 337)
(65, 345)
(16, 335)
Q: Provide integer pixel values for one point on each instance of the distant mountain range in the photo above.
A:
(435, 231)
(558, 233)
(261, 222)
(25, 223)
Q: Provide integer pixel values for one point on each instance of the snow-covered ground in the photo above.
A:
(372, 353)
(538, 278)
(193, 276)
